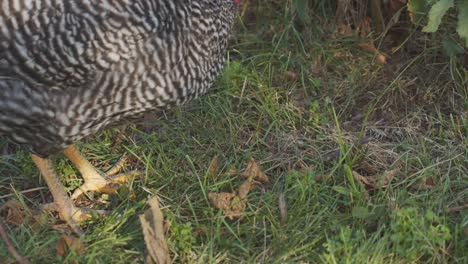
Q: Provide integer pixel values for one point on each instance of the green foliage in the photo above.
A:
(462, 27)
(419, 8)
(342, 247)
(414, 236)
(182, 236)
(436, 11)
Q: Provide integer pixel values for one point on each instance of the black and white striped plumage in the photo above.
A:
(69, 68)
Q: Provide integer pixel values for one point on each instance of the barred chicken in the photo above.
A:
(69, 68)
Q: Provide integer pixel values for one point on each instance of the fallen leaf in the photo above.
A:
(365, 29)
(233, 204)
(344, 30)
(388, 176)
(282, 208)
(16, 213)
(152, 223)
(424, 184)
(368, 168)
(430, 181)
(457, 209)
(291, 75)
(230, 203)
(66, 243)
(213, 168)
(370, 47)
(253, 172)
(358, 177)
(376, 181)
(319, 177)
(236, 209)
(381, 59)
(244, 189)
(232, 172)
(221, 200)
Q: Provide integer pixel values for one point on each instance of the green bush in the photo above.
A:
(435, 12)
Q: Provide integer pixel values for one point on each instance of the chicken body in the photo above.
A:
(69, 68)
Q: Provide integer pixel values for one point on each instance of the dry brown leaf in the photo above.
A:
(388, 176)
(221, 200)
(319, 177)
(368, 46)
(66, 243)
(152, 223)
(457, 209)
(236, 209)
(376, 181)
(283, 208)
(213, 168)
(344, 30)
(230, 203)
(253, 172)
(365, 29)
(291, 75)
(16, 213)
(233, 204)
(368, 168)
(244, 189)
(232, 172)
(381, 59)
(424, 184)
(364, 180)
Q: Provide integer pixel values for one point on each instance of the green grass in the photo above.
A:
(304, 132)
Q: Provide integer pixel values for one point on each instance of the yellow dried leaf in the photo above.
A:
(213, 168)
(221, 200)
(66, 243)
(17, 213)
(152, 223)
(291, 75)
(236, 208)
(368, 46)
(376, 181)
(230, 203)
(253, 172)
(363, 180)
(368, 168)
(381, 59)
(244, 189)
(344, 30)
(424, 184)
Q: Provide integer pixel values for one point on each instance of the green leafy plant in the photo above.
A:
(435, 12)
(415, 236)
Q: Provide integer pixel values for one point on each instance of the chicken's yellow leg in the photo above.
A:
(62, 202)
(94, 179)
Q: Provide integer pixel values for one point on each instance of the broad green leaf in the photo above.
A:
(451, 47)
(462, 27)
(436, 14)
